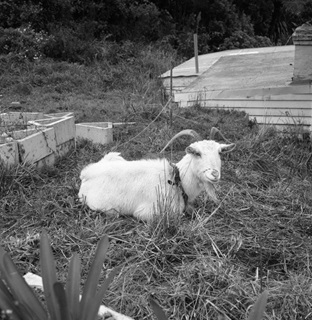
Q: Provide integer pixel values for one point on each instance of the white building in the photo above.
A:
(272, 84)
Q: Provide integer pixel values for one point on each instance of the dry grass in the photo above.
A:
(211, 262)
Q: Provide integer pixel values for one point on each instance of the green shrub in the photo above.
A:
(22, 42)
(241, 40)
(184, 43)
(66, 45)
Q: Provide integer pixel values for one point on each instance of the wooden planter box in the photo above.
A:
(97, 132)
(44, 139)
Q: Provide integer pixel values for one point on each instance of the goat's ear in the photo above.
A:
(224, 148)
(193, 151)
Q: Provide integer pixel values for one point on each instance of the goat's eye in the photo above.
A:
(197, 154)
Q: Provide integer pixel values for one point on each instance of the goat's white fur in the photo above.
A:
(140, 188)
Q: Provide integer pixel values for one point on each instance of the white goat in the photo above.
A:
(143, 187)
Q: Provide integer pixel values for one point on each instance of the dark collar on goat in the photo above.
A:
(176, 181)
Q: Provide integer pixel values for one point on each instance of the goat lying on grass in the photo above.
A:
(144, 187)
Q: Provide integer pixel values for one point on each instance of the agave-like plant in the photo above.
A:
(19, 302)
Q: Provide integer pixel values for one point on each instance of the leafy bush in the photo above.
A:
(240, 39)
(23, 42)
(184, 43)
(66, 45)
(145, 21)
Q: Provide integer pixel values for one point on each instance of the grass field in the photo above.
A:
(212, 262)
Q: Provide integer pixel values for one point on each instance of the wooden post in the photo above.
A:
(196, 42)
(196, 52)
(171, 67)
(171, 94)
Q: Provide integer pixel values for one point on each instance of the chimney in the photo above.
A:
(302, 39)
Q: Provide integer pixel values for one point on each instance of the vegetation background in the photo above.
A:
(77, 30)
(102, 60)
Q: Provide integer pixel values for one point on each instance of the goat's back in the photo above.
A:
(129, 187)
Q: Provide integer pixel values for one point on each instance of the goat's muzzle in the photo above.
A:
(212, 175)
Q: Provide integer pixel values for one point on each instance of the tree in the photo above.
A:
(276, 19)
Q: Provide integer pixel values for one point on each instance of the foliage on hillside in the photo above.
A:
(78, 31)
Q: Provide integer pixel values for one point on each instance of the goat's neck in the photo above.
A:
(189, 180)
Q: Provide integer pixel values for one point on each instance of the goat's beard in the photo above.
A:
(211, 191)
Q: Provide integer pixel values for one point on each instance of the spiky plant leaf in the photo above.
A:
(49, 276)
(257, 310)
(73, 285)
(3, 287)
(90, 286)
(94, 307)
(62, 300)
(15, 309)
(2, 252)
(21, 292)
(7, 304)
(108, 281)
(158, 311)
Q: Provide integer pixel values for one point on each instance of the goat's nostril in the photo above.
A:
(215, 173)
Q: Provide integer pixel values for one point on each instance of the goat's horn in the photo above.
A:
(186, 132)
(213, 132)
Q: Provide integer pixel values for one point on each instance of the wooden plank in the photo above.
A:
(9, 153)
(179, 83)
(250, 104)
(298, 105)
(219, 96)
(47, 161)
(64, 128)
(297, 113)
(37, 146)
(64, 148)
(254, 92)
(21, 134)
(266, 111)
